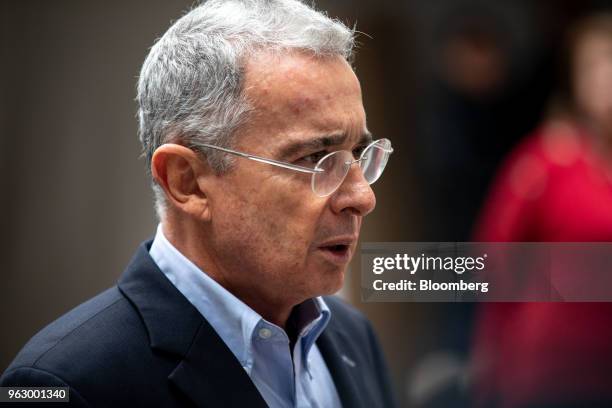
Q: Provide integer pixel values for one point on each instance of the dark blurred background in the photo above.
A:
(455, 84)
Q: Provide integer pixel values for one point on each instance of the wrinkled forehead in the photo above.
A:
(265, 69)
(296, 94)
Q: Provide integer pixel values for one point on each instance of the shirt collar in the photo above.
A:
(313, 317)
(232, 319)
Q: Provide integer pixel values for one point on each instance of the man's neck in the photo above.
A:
(274, 313)
(274, 309)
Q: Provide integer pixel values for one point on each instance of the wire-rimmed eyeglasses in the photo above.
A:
(331, 170)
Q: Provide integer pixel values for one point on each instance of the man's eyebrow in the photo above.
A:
(366, 138)
(319, 143)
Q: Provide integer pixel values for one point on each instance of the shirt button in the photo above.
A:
(265, 333)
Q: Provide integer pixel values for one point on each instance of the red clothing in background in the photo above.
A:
(553, 187)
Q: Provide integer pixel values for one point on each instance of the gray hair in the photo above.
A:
(190, 86)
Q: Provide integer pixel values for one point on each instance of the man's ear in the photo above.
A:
(178, 170)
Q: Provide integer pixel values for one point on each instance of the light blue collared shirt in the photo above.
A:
(284, 378)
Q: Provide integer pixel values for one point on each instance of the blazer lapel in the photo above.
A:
(207, 371)
(341, 367)
(210, 374)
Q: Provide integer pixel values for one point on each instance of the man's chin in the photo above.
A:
(333, 280)
(326, 276)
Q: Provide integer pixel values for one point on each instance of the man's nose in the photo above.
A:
(354, 194)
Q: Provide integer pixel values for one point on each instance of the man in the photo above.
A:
(254, 129)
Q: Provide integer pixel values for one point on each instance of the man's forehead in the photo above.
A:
(297, 79)
(301, 101)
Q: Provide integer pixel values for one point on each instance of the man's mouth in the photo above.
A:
(337, 252)
(337, 249)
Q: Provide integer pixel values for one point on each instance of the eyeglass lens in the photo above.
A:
(336, 165)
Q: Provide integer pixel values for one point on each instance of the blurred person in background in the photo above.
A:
(481, 75)
(556, 186)
(483, 79)
(459, 115)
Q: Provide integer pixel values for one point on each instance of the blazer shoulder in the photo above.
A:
(78, 333)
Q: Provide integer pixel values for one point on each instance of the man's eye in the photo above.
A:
(358, 150)
(313, 158)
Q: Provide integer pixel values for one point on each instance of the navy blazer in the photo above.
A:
(141, 343)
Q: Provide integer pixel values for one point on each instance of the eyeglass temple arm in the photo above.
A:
(264, 160)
